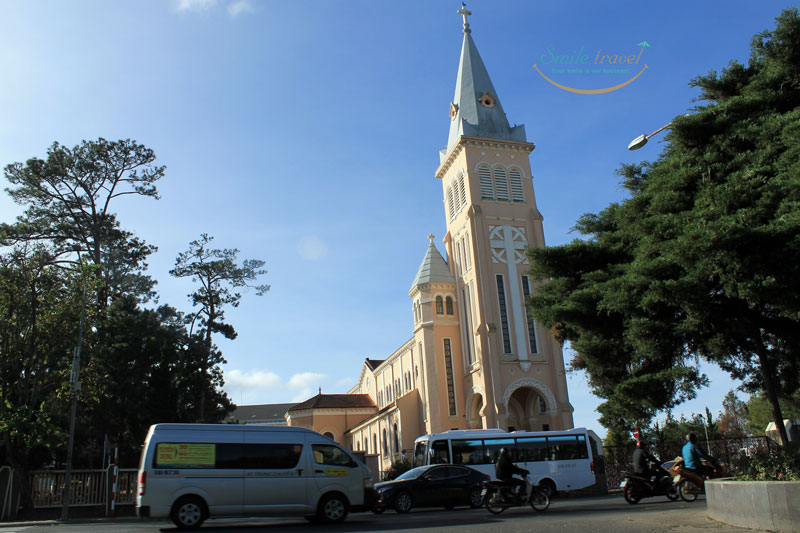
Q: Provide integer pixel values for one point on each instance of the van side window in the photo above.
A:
(327, 454)
(226, 455)
(271, 456)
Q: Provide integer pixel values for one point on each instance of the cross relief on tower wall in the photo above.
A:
(508, 240)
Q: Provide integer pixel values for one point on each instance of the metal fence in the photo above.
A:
(732, 451)
(87, 487)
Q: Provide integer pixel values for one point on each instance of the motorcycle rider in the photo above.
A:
(693, 455)
(505, 469)
(644, 461)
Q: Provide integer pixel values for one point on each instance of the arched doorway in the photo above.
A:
(521, 414)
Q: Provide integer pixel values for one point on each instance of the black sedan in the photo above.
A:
(431, 486)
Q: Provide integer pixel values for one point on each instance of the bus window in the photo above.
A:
(564, 448)
(420, 452)
(493, 447)
(583, 453)
(532, 449)
(439, 452)
(468, 452)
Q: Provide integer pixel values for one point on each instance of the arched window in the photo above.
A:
(449, 305)
(439, 306)
(385, 443)
(542, 406)
(380, 399)
(517, 191)
(485, 179)
(396, 440)
(375, 443)
(500, 184)
(328, 434)
(358, 445)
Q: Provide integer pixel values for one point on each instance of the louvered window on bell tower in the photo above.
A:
(500, 184)
(462, 191)
(485, 179)
(450, 210)
(517, 192)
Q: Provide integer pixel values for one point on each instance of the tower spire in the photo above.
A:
(476, 110)
(464, 13)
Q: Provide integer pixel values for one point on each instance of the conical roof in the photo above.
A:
(433, 269)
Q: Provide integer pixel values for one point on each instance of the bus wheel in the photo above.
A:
(548, 487)
(189, 512)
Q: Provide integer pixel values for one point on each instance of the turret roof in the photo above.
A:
(433, 269)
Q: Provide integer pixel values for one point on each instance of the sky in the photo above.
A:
(307, 133)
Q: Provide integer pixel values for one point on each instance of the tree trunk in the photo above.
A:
(768, 374)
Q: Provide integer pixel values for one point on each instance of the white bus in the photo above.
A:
(558, 460)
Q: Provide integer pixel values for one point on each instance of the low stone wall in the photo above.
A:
(767, 505)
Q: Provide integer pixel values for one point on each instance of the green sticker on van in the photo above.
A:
(185, 455)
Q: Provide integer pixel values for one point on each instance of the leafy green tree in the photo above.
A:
(217, 274)
(68, 198)
(39, 308)
(759, 410)
(701, 260)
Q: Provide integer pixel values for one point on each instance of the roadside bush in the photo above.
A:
(782, 464)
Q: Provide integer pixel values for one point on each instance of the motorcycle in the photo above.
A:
(689, 483)
(499, 496)
(635, 487)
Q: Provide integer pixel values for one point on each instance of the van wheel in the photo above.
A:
(189, 512)
(332, 508)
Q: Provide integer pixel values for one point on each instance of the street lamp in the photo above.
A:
(641, 140)
(75, 386)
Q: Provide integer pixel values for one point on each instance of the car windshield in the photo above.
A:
(414, 473)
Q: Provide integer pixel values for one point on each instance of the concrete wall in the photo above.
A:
(768, 505)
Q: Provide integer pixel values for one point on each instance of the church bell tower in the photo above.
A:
(513, 371)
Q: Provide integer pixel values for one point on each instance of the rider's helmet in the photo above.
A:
(691, 437)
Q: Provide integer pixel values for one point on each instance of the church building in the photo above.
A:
(476, 359)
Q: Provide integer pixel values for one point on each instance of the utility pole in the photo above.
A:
(75, 386)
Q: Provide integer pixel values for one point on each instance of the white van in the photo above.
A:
(190, 472)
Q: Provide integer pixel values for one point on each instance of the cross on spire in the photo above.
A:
(464, 13)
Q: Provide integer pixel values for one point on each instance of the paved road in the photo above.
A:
(603, 514)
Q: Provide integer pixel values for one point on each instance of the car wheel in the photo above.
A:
(475, 498)
(402, 502)
(332, 508)
(188, 512)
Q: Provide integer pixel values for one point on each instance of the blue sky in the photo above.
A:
(306, 134)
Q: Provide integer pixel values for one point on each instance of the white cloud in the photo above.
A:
(305, 380)
(256, 379)
(195, 5)
(237, 7)
(261, 386)
(312, 248)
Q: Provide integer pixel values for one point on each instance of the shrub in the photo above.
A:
(782, 464)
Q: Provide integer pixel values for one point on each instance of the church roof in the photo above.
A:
(263, 413)
(334, 401)
(476, 115)
(374, 363)
(433, 269)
